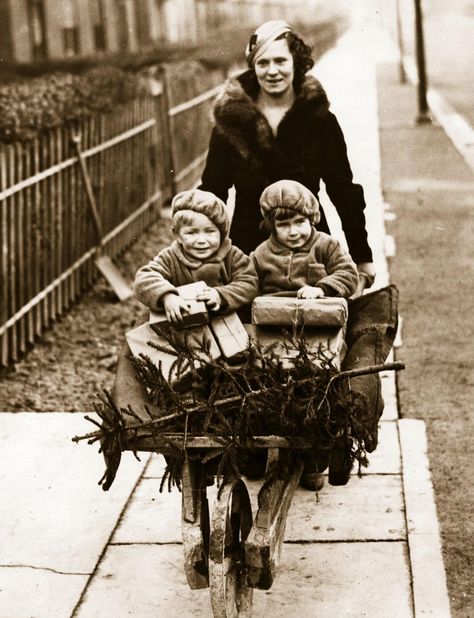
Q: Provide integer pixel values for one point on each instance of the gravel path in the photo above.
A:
(77, 357)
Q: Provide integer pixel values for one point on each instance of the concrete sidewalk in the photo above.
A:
(368, 549)
(361, 550)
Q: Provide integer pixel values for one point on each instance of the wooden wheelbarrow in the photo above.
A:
(234, 552)
(231, 552)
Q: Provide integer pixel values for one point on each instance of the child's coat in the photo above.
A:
(321, 262)
(229, 271)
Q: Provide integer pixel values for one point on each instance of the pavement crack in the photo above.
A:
(341, 541)
(40, 568)
(125, 543)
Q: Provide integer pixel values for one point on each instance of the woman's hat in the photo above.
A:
(292, 196)
(205, 203)
(263, 37)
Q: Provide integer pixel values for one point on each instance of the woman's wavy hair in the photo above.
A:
(302, 59)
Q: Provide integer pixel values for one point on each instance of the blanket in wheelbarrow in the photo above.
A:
(337, 410)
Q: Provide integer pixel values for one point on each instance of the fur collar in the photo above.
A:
(242, 124)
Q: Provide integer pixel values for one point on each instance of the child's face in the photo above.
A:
(293, 232)
(199, 238)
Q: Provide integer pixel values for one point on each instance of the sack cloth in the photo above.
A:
(371, 330)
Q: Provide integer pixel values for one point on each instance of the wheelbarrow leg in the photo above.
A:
(231, 523)
(264, 543)
(195, 524)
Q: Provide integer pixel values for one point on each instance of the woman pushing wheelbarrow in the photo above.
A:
(299, 384)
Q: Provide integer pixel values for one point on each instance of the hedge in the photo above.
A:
(31, 106)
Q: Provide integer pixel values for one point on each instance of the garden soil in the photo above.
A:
(77, 358)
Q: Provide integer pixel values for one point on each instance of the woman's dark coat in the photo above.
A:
(309, 146)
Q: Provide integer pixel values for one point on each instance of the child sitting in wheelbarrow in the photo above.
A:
(298, 258)
(201, 254)
(201, 251)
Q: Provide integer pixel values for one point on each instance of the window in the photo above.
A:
(70, 29)
(160, 32)
(122, 22)
(98, 24)
(37, 29)
(71, 41)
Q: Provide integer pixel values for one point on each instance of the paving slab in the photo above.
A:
(368, 508)
(386, 457)
(348, 580)
(389, 394)
(143, 581)
(38, 593)
(155, 467)
(55, 519)
(324, 580)
(151, 517)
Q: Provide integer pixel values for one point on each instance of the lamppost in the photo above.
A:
(423, 110)
(401, 47)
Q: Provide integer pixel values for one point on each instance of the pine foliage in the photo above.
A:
(262, 396)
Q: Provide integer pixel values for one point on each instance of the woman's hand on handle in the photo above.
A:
(366, 272)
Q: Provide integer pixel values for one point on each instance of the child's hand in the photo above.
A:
(211, 297)
(174, 306)
(308, 291)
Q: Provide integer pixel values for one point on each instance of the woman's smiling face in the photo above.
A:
(275, 69)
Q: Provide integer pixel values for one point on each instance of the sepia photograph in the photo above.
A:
(236, 287)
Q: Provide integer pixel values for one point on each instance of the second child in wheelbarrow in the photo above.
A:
(299, 259)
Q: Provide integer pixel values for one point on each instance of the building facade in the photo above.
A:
(35, 30)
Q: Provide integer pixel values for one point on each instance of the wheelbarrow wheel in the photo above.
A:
(230, 526)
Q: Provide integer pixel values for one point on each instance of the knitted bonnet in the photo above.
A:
(205, 203)
(292, 196)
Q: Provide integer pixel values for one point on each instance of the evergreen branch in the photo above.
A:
(228, 401)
